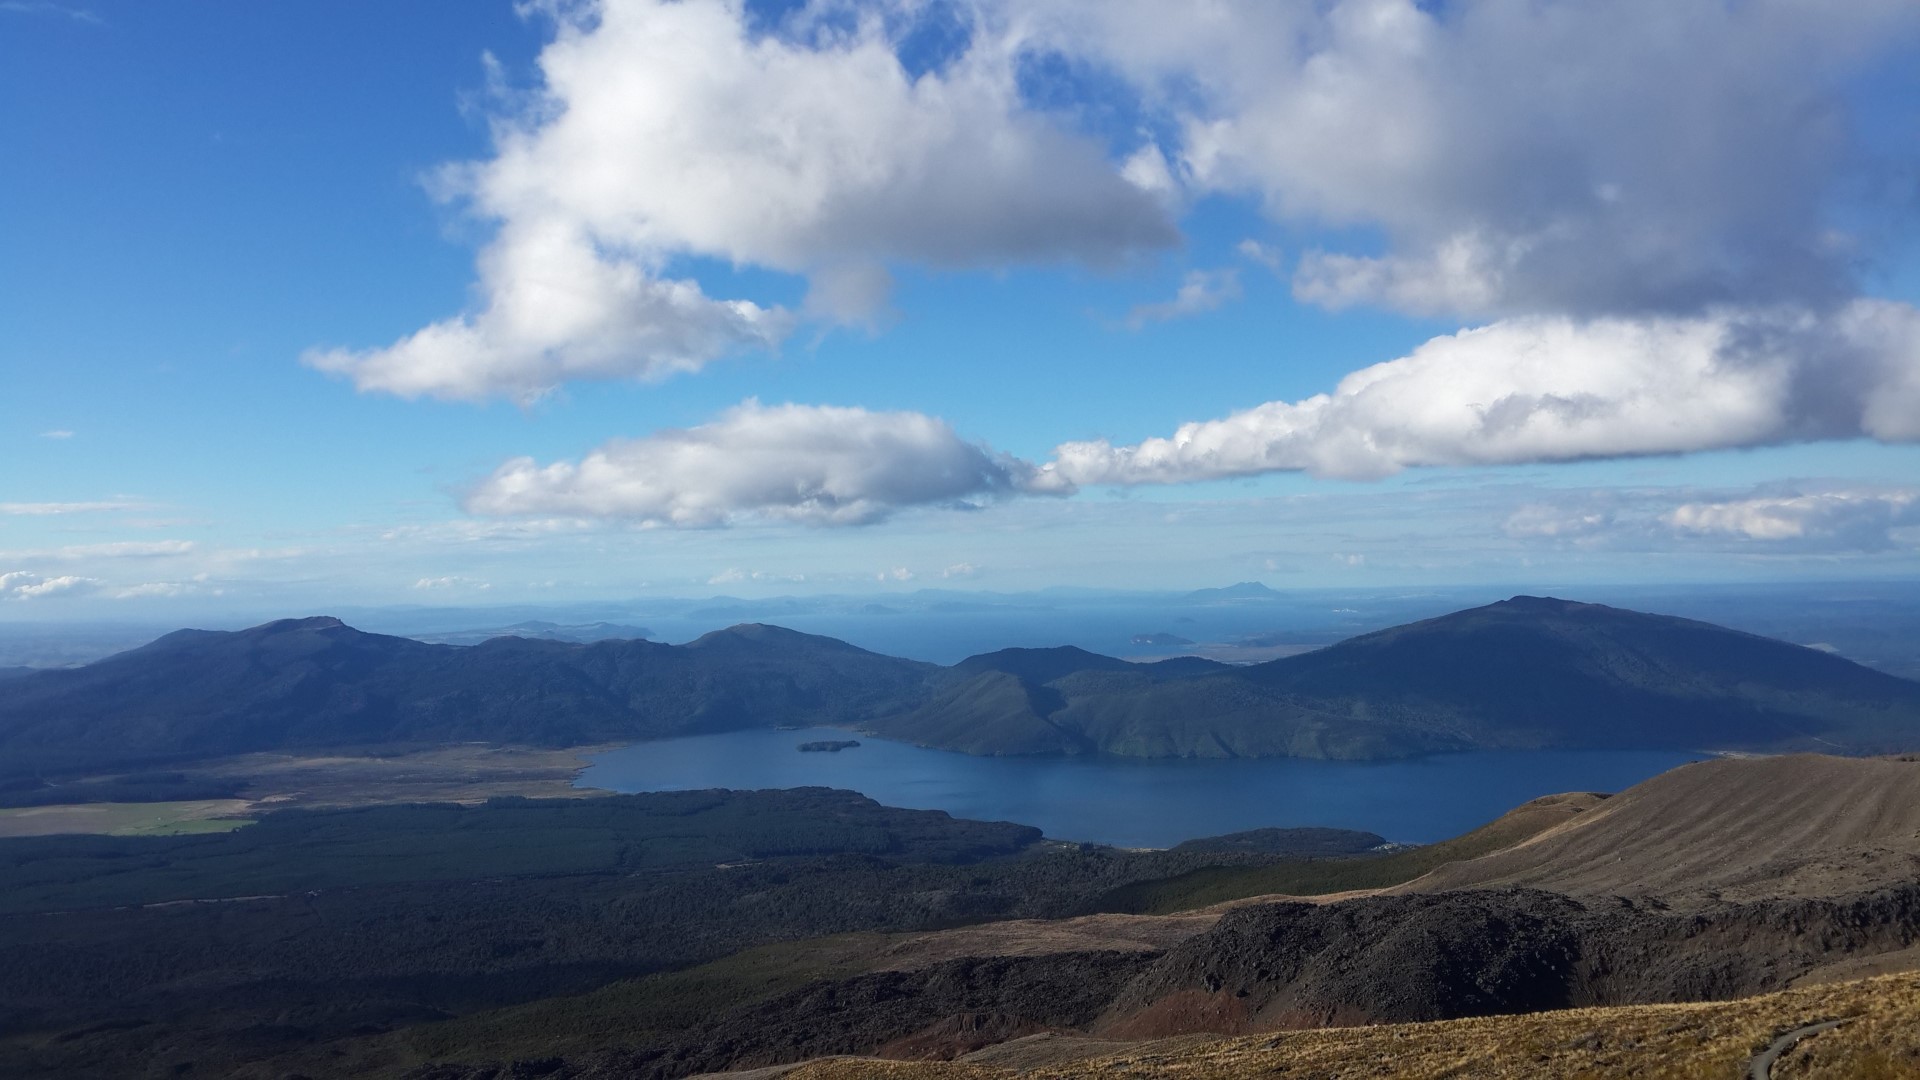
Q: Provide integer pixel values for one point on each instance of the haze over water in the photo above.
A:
(1137, 803)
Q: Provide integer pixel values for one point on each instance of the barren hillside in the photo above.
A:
(1733, 829)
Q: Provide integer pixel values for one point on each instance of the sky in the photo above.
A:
(462, 301)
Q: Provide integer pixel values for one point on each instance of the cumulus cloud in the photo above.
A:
(1256, 252)
(1647, 230)
(1516, 158)
(1200, 291)
(1805, 517)
(664, 130)
(818, 465)
(1543, 389)
(558, 308)
(1854, 518)
(25, 585)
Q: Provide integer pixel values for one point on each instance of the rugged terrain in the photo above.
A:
(1879, 1040)
(1261, 964)
(658, 936)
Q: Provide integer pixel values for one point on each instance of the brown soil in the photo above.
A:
(1798, 825)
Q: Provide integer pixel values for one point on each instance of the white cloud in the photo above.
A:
(960, 570)
(665, 130)
(818, 465)
(431, 584)
(127, 549)
(24, 585)
(43, 509)
(485, 532)
(57, 433)
(559, 308)
(1516, 158)
(1808, 517)
(48, 8)
(1462, 274)
(151, 590)
(1264, 254)
(1650, 227)
(736, 576)
(1549, 522)
(1200, 291)
(1559, 389)
(898, 573)
(1859, 518)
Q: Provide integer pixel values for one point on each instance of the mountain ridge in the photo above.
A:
(1524, 673)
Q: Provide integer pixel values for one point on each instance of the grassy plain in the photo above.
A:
(467, 774)
(1713, 1041)
(128, 819)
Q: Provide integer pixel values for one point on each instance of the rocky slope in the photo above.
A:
(1798, 825)
(1279, 967)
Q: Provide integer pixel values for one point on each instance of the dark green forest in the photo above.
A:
(315, 925)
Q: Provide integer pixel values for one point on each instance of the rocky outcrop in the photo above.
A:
(1395, 959)
(1378, 959)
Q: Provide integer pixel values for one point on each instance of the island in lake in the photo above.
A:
(828, 746)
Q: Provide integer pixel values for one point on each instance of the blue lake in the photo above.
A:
(1136, 803)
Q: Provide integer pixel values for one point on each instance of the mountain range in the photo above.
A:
(539, 630)
(1525, 673)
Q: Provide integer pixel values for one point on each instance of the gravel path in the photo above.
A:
(1762, 1066)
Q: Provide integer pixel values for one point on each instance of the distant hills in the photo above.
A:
(1526, 673)
(540, 630)
(1245, 590)
(305, 684)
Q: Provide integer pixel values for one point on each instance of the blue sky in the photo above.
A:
(854, 296)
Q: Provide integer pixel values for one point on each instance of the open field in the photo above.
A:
(467, 773)
(1716, 1041)
(128, 819)
(462, 773)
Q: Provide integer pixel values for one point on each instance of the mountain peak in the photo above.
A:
(764, 635)
(1539, 603)
(1041, 665)
(1242, 590)
(312, 622)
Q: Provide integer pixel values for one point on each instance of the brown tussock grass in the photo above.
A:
(1709, 1041)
